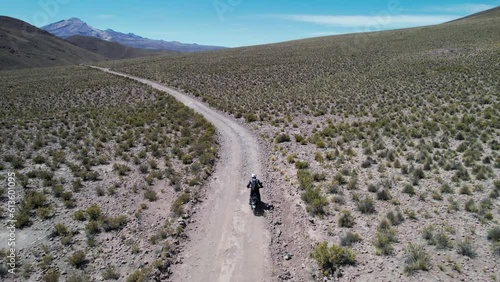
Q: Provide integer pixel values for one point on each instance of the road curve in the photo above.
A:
(229, 243)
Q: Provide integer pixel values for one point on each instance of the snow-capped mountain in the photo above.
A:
(75, 26)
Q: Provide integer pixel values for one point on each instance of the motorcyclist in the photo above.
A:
(254, 184)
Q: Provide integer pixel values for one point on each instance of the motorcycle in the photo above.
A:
(254, 202)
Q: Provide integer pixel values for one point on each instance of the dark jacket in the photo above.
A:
(255, 192)
(257, 186)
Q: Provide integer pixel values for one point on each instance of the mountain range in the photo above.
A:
(23, 45)
(113, 50)
(75, 26)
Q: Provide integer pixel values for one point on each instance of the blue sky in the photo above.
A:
(234, 23)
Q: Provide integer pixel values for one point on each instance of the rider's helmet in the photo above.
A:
(254, 175)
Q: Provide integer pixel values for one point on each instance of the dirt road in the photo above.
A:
(228, 242)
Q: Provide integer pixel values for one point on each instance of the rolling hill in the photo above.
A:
(490, 13)
(112, 50)
(390, 140)
(23, 45)
(75, 26)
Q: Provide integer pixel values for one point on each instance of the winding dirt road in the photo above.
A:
(228, 242)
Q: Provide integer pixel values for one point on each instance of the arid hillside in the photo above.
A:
(23, 46)
(388, 142)
(112, 50)
(104, 169)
